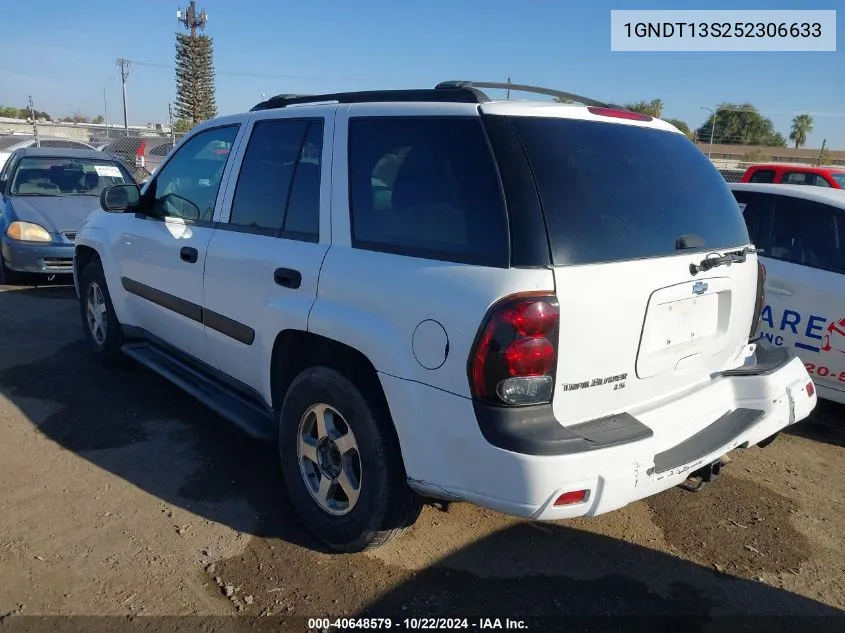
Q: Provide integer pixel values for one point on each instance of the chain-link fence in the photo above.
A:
(732, 175)
(140, 149)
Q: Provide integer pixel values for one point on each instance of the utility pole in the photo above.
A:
(509, 90)
(712, 128)
(821, 152)
(34, 122)
(170, 116)
(124, 73)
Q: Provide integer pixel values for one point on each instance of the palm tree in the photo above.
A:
(802, 125)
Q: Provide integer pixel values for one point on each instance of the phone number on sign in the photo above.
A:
(824, 372)
(723, 29)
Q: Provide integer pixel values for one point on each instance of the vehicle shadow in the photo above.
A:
(143, 429)
(558, 578)
(47, 290)
(826, 424)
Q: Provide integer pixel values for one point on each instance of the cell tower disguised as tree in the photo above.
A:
(195, 100)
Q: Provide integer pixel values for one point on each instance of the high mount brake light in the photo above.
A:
(619, 114)
(513, 361)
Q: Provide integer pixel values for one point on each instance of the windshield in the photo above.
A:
(37, 176)
(839, 178)
(613, 192)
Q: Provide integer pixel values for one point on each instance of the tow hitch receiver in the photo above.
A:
(704, 475)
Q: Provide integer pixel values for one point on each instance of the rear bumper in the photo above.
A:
(617, 460)
(36, 257)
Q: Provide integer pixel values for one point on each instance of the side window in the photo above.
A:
(426, 187)
(798, 178)
(821, 182)
(756, 209)
(763, 175)
(805, 232)
(187, 185)
(278, 190)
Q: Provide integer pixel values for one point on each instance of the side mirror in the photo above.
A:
(120, 198)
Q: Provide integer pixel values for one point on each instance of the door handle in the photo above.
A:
(189, 254)
(287, 278)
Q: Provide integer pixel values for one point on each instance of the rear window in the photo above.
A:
(763, 175)
(613, 192)
(839, 178)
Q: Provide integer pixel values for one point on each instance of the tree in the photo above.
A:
(740, 124)
(653, 108)
(10, 112)
(195, 78)
(802, 125)
(99, 119)
(182, 126)
(682, 126)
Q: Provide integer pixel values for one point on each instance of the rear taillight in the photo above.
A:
(761, 300)
(514, 358)
(619, 114)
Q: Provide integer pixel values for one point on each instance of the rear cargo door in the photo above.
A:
(631, 210)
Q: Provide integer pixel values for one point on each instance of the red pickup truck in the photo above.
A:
(786, 174)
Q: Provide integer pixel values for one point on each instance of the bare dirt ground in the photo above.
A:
(120, 495)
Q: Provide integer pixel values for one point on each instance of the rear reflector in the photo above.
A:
(619, 114)
(568, 498)
(811, 389)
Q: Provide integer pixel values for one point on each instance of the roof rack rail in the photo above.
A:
(525, 88)
(452, 94)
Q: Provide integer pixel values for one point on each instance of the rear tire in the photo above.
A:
(103, 332)
(334, 440)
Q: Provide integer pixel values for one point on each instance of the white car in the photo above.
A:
(524, 305)
(802, 233)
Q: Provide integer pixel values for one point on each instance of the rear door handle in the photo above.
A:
(189, 254)
(288, 278)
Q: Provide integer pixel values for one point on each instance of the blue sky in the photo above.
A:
(63, 55)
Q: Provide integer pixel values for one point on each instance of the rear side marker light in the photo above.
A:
(618, 114)
(571, 498)
(811, 389)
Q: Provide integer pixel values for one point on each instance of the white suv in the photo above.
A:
(540, 308)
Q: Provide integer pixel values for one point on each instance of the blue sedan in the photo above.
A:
(46, 195)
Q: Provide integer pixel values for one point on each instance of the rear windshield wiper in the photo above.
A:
(714, 259)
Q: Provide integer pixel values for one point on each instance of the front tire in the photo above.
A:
(103, 332)
(341, 463)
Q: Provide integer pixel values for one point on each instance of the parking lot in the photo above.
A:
(120, 495)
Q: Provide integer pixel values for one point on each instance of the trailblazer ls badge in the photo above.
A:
(616, 381)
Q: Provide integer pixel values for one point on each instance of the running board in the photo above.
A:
(249, 416)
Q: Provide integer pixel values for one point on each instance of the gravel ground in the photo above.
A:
(121, 496)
